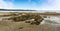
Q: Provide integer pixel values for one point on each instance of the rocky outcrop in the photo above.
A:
(37, 18)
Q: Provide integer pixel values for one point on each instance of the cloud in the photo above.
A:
(51, 5)
(46, 5)
(5, 5)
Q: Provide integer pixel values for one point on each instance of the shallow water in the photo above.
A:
(51, 20)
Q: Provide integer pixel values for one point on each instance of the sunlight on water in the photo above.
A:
(51, 20)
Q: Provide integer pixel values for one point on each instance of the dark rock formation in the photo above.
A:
(37, 18)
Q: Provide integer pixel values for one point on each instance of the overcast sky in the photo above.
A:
(31, 4)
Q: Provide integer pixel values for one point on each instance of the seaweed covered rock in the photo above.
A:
(37, 18)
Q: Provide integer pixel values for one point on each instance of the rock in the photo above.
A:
(27, 21)
(37, 18)
(21, 27)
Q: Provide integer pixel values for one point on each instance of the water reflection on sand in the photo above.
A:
(55, 20)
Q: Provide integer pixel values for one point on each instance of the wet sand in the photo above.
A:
(22, 26)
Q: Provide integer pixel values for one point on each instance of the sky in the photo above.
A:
(49, 5)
